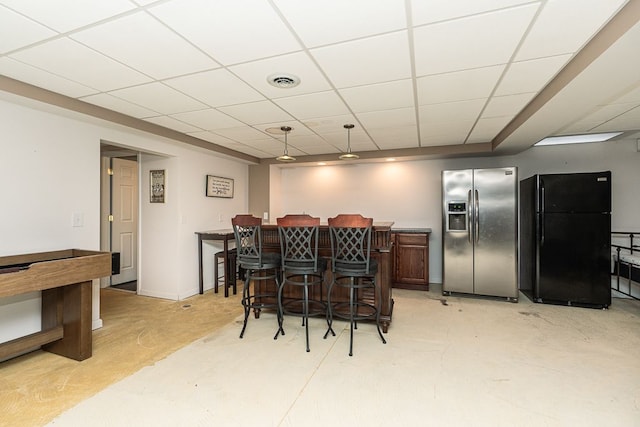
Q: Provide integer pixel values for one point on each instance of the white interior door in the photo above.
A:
(124, 228)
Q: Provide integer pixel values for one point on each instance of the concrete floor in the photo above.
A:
(459, 361)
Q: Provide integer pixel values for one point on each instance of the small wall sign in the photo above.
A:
(157, 186)
(218, 186)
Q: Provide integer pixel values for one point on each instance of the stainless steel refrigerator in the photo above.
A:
(565, 238)
(480, 236)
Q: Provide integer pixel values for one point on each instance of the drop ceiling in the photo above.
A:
(415, 77)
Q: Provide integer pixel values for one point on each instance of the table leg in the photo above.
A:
(226, 263)
(201, 281)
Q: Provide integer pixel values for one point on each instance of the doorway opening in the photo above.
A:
(120, 213)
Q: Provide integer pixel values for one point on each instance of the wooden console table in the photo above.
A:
(64, 277)
(224, 236)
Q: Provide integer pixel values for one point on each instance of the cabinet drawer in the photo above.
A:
(412, 239)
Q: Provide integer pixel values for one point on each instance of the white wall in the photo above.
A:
(50, 169)
(409, 193)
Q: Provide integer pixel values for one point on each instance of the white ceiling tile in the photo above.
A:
(429, 11)
(116, 104)
(37, 77)
(229, 30)
(241, 134)
(160, 98)
(451, 111)
(172, 123)
(330, 124)
(73, 61)
(298, 64)
(208, 119)
(624, 122)
(215, 88)
(631, 95)
(395, 137)
(530, 76)
(346, 19)
(507, 105)
(146, 45)
(23, 31)
(400, 117)
(254, 113)
(465, 43)
(381, 96)
(558, 29)
(448, 133)
(372, 60)
(214, 138)
(458, 86)
(67, 15)
(321, 104)
(487, 128)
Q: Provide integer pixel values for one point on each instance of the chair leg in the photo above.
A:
(215, 274)
(280, 310)
(329, 312)
(246, 301)
(351, 315)
(305, 310)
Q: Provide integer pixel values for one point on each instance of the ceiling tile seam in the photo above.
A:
(484, 12)
(96, 90)
(66, 34)
(322, 72)
(507, 67)
(412, 64)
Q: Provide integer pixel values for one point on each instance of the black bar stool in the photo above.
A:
(353, 268)
(301, 268)
(228, 266)
(258, 268)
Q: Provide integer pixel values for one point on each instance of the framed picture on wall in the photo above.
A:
(218, 186)
(156, 186)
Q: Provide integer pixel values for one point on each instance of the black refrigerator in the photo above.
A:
(565, 239)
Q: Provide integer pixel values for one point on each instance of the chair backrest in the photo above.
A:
(350, 243)
(299, 241)
(247, 230)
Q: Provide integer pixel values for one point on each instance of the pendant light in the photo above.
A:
(349, 155)
(285, 156)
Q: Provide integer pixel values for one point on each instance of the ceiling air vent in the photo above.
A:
(283, 81)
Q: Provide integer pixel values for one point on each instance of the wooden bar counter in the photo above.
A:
(380, 251)
(64, 278)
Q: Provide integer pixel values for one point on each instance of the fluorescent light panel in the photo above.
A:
(577, 139)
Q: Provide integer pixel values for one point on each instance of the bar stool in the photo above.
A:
(259, 267)
(228, 266)
(353, 268)
(301, 268)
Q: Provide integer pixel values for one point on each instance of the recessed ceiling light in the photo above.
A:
(577, 139)
(390, 159)
(283, 80)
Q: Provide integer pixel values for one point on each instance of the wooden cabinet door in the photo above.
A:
(411, 261)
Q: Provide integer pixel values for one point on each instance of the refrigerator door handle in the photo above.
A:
(476, 216)
(541, 213)
(469, 216)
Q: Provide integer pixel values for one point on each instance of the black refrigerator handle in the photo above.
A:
(541, 213)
